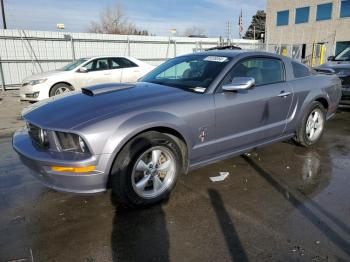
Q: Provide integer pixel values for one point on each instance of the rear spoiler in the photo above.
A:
(328, 71)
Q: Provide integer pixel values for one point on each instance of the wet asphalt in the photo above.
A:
(279, 203)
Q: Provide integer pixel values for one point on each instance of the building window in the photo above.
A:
(324, 12)
(282, 17)
(302, 15)
(341, 46)
(345, 8)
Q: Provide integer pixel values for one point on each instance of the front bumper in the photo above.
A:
(39, 162)
(34, 93)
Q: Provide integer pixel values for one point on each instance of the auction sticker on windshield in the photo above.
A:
(219, 59)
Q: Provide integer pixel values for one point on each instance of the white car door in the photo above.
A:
(116, 70)
(98, 72)
(130, 71)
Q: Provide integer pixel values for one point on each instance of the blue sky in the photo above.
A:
(156, 16)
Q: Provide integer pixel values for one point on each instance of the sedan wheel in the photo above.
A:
(61, 90)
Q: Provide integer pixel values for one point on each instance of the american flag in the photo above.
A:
(240, 25)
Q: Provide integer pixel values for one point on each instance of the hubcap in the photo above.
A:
(154, 172)
(314, 124)
(62, 90)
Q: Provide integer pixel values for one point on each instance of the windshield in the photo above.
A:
(343, 55)
(191, 73)
(74, 64)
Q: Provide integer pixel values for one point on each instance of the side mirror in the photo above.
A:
(331, 58)
(239, 83)
(82, 70)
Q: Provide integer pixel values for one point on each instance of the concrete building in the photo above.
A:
(313, 28)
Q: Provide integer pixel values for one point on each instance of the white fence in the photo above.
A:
(24, 53)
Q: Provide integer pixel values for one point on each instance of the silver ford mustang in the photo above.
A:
(188, 112)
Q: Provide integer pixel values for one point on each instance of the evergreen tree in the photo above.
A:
(258, 21)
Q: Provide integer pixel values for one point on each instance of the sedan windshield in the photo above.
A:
(344, 55)
(74, 64)
(192, 73)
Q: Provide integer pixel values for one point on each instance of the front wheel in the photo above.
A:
(146, 170)
(60, 88)
(312, 126)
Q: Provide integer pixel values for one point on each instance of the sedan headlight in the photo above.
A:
(72, 142)
(37, 81)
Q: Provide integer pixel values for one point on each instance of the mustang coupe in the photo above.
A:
(191, 111)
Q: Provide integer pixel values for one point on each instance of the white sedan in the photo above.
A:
(80, 73)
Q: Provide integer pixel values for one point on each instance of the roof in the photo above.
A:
(233, 53)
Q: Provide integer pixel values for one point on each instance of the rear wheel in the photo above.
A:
(60, 88)
(312, 126)
(146, 170)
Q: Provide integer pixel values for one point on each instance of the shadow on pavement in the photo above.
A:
(140, 235)
(233, 242)
(297, 201)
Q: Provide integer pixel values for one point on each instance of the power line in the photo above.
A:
(3, 14)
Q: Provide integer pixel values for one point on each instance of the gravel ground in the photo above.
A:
(10, 107)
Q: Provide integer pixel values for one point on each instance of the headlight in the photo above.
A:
(344, 73)
(36, 82)
(38, 135)
(72, 142)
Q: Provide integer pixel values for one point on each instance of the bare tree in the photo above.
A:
(113, 21)
(194, 31)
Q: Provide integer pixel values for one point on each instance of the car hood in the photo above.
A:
(75, 110)
(45, 75)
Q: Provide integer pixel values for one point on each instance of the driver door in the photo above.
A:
(247, 117)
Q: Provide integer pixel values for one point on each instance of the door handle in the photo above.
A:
(284, 94)
(106, 74)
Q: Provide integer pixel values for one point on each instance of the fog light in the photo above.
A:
(71, 169)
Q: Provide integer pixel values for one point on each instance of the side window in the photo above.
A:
(121, 62)
(101, 64)
(300, 70)
(264, 70)
(97, 65)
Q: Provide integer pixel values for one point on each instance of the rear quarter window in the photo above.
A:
(300, 70)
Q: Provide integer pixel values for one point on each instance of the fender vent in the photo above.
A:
(105, 88)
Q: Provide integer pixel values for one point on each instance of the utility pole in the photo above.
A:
(228, 32)
(254, 32)
(3, 14)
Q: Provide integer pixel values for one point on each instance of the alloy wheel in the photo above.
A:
(314, 124)
(154, 172)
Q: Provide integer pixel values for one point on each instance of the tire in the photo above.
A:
(304, 135)
(60, 88)
(135, 177)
